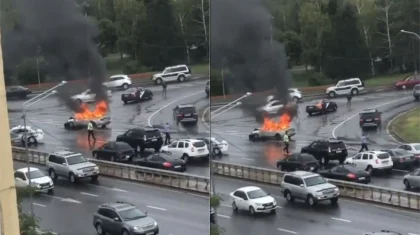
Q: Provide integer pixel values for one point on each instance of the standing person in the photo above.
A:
(286, 143)
(167, 135)
(364, 143)
(164, 85)
(90, 131)
(349, 97)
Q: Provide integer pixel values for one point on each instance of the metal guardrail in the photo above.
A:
(398, 198)
(183, 181)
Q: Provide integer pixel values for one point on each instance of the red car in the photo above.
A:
(408, 82)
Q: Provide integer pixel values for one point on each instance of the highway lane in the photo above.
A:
(50, 115)
(70, 210)
(235, 125)
(348, 218)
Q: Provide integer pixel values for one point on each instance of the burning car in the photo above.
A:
(323, 106)
(97, 116)
(88, 96)
(272, 129)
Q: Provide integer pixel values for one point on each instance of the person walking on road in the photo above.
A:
(286, 143)
(164, 85)
(167, 135)
(364, 143)
(90, 131)
(349, 97)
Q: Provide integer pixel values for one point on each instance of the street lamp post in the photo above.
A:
(26, 105)
(412, 33)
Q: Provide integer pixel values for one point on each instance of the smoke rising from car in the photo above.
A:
(241, 44)
(65, 37)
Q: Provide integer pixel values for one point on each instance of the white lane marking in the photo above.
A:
(64, 199)
(343, 220)
(248, 159)
(41, 205)
(354, 115)
(157, 208)
(119, 190)
(389, 124)
(287, 231)
(89, 194)
(412, 234)
(107, 188)
(226, 205)
(149, 120)
(224, 216)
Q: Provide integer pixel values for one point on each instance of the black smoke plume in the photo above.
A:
(241, 43)
(65, 36)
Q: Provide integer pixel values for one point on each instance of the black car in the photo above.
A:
(323, 106)
(370, 118)
(402, 159)
(207, 89)
(298, 161)
(142, 138)
(347, 173)
(185, 113)
(114, 151)
(136, 95)
(17, 92)
(164, 160)
(326, 150)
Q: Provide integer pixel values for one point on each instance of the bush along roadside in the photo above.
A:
(215, 203)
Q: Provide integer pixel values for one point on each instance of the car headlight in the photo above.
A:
(137, 228)
(336, 189)
(96, 168)
(155, 223)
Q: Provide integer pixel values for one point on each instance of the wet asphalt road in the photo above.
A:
(235, 125)
(348, 218)
(50, 115)
(70, 210)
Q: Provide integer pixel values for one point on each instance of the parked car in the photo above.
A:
(142, 138)
(188, 149)
(88, 96)
(327, 150)
(344, 87)
(118, 81)
(372, 161)
(185, 113)
(40, 182)
(136, 95)
(114, 151)
(253, 199)
(413, 148)
(408, 82)
(370, 118)
(295, 94)
(17, 92)
(347, 172)
(401, 159)
(298, 161)
(323, 106)
(218, 147)
(416, 92)
(412, 180)
(164, 161)
(174, 73)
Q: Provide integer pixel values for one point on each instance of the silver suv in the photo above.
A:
(123, 218)
(309, 187)
(416, 92)
(71, 165)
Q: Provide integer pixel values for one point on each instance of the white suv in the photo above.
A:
(295, 94)
(344, 87)
(254, 200)
(189, 148)
(309, 187)
(372, 160)
(118, 81)
(175, 73)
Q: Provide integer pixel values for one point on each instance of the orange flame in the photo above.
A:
(282, 124)
(101, 109)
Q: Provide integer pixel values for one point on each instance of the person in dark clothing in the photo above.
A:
(137, 94)
(167, 135)
(349, 97)
(164, 85)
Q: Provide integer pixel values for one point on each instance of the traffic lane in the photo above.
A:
(189, 215)
(349, 216)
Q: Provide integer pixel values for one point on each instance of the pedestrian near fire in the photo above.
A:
(286, 143)
(90, 131)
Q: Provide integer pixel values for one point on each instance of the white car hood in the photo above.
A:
(42, 180)
(331, 88)
(319, 187)
(157, 75)
(266, 199)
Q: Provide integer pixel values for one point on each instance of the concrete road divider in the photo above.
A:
(397, 198)
(165, 178)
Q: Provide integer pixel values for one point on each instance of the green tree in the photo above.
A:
(292, 43)
(215, 203)
(108, 35)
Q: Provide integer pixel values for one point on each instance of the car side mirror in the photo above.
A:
(302, 185)
(64, 164)
(116, 219)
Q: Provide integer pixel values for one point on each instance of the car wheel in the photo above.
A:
(32, 140)
(72, 178)
(341, 160)
(288, 196)
(99, 229)
(334, 201)
(52, 174)
(125, 102)
(332, 94)
(150, 96)
(125, 86)
(251, 210)
(50, 192)
(256, 137)
(273, 211)
(185, 157)
(234, 207)
(310, 114)
(407, 184)
(354, 92)
(311, 200)
(280, 167)
(181, 78)
(158, 81)
(217, 152)
(124, 232)
(71, 124)
(417, 98)
(94, 178)
(403, 87)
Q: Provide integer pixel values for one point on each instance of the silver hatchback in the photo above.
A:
(412, 180)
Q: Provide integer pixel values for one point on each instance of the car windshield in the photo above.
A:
(383, 155)
(416, 146)
(132, 214)
(76, 160)
(315, 180)
(35, 174)
(258, 193)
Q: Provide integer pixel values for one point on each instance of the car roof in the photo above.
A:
(176, 66)
(331, 141)
(248, 188)
(186, 106)
(349, 79)
(65, 153)
(375, 152)
(118, 75)
(118, 206)
(191, 140)
(369, 111)
(25, 169)
(302, 174)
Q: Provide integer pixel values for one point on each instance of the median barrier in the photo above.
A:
(364, 192)
(130, 172)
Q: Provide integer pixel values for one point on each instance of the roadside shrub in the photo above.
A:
(318, 79)
(132, 67)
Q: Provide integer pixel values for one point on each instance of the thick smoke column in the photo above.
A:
(66, 38)
(240, 42)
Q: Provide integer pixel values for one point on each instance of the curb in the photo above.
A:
(393, 133)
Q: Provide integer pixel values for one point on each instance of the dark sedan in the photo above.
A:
(347, 173)
(115, 152)
(298, 161)
(323, 106)
(402, 159)
(17, 92)
(136, 95)
(164, 161)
